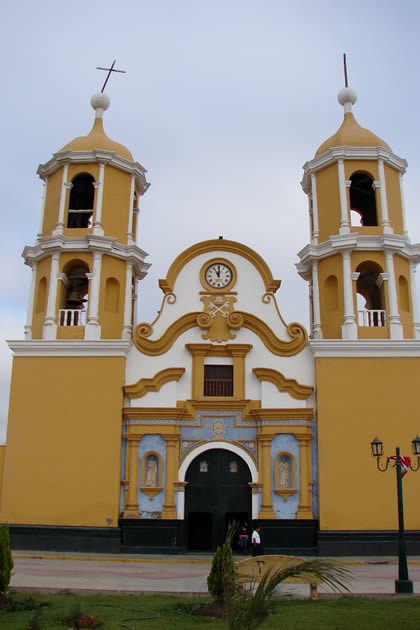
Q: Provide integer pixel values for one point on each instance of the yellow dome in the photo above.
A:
(351, 134)
(97, 139)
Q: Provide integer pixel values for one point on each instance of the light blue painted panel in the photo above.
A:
(152, 508)
(285, 442)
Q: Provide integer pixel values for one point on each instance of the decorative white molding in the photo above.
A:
(381, 279)
(365, 348)
(355, 275)
(69, 348)
(63, 277)
(96, 155)
(350, 153)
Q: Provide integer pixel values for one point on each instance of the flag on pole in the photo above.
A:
(405, 463)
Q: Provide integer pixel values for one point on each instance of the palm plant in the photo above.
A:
(248, 606)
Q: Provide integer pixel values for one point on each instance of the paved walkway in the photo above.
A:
(79, 572)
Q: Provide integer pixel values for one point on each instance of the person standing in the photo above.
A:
(243, 537)
(257, 547)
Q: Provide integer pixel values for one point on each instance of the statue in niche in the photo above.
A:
(284, 468)
(151, 472)
(204, 467)
(233, 466)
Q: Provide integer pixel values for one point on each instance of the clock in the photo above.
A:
(218, 275)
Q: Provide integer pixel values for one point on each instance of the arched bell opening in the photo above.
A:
(81, 201)
(75, 296)
(217, 494)
(362, 200)
(370, 295)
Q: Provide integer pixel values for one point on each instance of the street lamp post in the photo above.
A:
(403, 584)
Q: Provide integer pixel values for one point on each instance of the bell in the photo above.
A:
(74, 300)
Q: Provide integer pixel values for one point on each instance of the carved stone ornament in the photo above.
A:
(219, 428)
(233, 466)
(204, 467)
(219, 317)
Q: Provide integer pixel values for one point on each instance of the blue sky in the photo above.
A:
(222, 103)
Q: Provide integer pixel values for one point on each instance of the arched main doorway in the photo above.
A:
(218, 492)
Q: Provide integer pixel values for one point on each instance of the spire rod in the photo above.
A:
(346, 83)
(109, 70)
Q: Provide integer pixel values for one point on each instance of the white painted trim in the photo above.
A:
(314, 209)
(316, 324)
(395, 326)
(60, 221)
(345, 223)
(96, 155)
(413, 291)
(384, 201)
(226, 446)
(30, 311)
(69, 348)
(404, 217)
(131, 211)
(383, 348)
(44, 198)
(97, 226)
(350, 153)
(349, 326)
(128, 328)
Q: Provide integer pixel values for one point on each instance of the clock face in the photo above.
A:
(218, 275)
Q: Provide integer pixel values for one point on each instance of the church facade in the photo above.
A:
(155, 437)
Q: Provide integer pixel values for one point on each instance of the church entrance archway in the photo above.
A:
(218, 492)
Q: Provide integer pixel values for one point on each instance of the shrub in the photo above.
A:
(221, 572)
(6, 561)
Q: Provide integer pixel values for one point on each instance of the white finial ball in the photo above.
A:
(347, 95)
(100, 101)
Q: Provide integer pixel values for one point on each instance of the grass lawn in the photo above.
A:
(175, 612)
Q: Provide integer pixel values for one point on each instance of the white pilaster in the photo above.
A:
(64, 186)
(349, 326)
(415, 310)
(395, 326)
(30, 312)
(50, 326)
(130, 238)
(316, 326)
(93, 328)
(44, 197)
(99, 185)
(403, 204)
(345, 224)
(386, 228)
(135, 296)
(128, 328)
(314, 210)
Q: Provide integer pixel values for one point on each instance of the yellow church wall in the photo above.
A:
(111, 301)
(402, 280)
(41, 297)
(393, 193)
(357, 400)
(330, 296)
(116, 203)
(62, 463)
(328, 198)
(2, 454)
(52, 202)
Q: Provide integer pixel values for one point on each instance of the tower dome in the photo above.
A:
(350, 133)
(97, 138)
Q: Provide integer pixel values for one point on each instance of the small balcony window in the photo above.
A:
(218, 380)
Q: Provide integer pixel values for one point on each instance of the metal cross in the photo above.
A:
(346, 83)
(109, 70)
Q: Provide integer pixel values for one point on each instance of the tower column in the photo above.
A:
(64, 186)
(404, 220)
(305, 502)
(345, 224)
(316, 325)
(128, 328)
(130, 238)
(315, 233)
(92, 328)
(171, 476)
(349, 326)
(265, 469)
(30, 312)
(416, 322)
(395, 326)
(386, 228)
(50, 325)
(132, 476)
(99, 185)
(44, 197)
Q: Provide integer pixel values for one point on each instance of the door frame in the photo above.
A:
(209, 446)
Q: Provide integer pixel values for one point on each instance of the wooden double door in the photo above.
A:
(217, 493)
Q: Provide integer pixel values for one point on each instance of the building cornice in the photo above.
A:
(69, 348)
(367, 348)
(96, 155)
(350, 153)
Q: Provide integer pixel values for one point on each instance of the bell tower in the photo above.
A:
(85, 263)
(359, 263)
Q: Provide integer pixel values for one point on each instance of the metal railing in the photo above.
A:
(218, 387)
(372, 318)
(71, 317)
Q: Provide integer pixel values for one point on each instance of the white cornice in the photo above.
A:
(96, 155)
(382, 348)
(350, 153)
(47, 245)
(69, 348)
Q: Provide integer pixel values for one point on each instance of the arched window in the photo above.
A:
(370, 287)
(81, 201)
(77, 289)
(362, 199)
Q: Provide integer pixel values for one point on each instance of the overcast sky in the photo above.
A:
(222, 103)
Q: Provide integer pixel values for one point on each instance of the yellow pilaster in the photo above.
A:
(265, 470)
(132, 475)
(239, 352)
(169, 508)
(305, 477)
